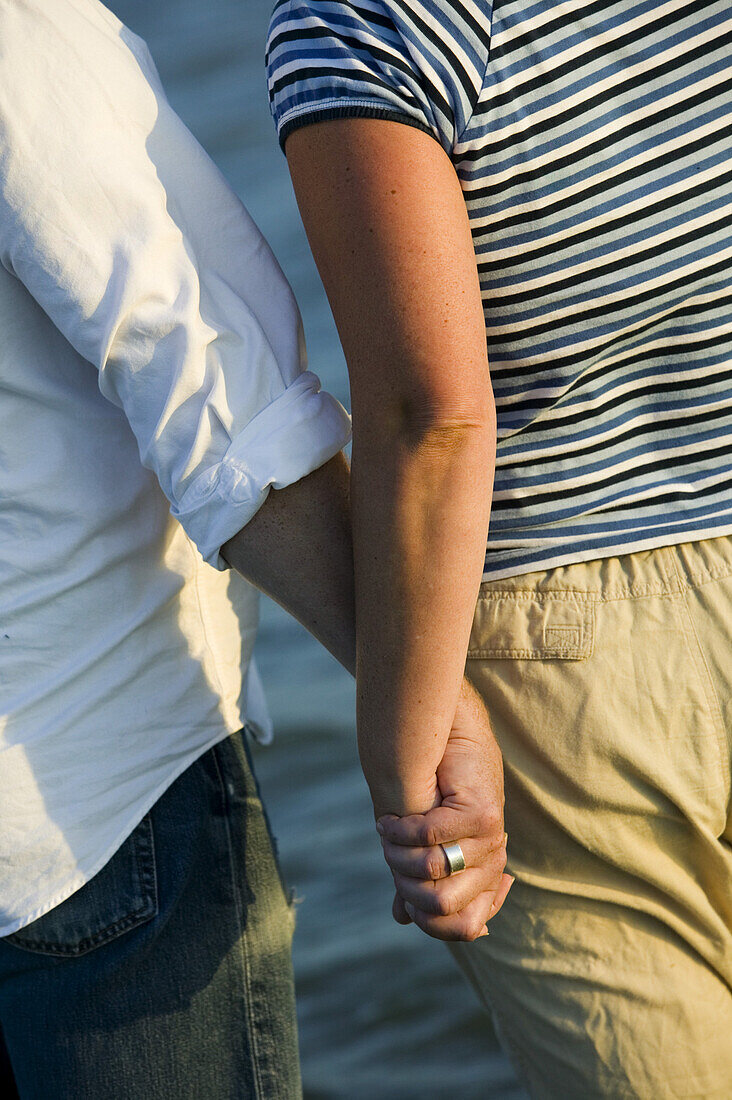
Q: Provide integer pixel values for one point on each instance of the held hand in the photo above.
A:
(470, 777)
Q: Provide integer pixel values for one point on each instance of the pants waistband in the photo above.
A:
(665, 569)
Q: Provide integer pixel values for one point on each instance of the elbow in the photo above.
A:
(414, 408)
(446, 424)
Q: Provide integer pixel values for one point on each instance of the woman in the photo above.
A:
(581, 155)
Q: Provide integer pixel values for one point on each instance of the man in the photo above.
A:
(152, 362)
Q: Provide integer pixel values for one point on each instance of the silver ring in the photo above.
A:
(455, 857)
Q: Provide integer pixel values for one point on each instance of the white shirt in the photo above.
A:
(151, 362)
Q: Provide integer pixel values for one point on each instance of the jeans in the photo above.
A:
(169, 974)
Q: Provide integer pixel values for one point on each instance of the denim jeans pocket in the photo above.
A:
(117, 899)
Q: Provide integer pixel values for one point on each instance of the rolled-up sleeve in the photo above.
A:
(126, 234)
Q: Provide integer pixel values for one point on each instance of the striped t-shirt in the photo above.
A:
(593, 143)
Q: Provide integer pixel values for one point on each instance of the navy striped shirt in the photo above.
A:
(593, 143)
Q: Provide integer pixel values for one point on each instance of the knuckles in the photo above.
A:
(474, 929)
(487, 822)
(427, 836)
(435, 903)
(459, 928)
(490, 821)
(435, 866)
(445, 904)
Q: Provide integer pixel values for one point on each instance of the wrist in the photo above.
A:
(396, 796)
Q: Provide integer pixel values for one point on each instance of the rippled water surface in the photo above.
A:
(384, 1015)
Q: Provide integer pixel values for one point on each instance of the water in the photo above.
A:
(384, 1014)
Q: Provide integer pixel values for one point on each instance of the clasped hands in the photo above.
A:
(470, 781)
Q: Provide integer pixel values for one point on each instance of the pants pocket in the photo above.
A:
(528, 625)
(117, 899)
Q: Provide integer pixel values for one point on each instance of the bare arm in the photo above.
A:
(389, 231)
(297, 549)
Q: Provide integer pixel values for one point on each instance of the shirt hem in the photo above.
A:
(592, 553)
(82, 877)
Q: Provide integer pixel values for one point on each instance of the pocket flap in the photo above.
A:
(532, 625)
(123, 895)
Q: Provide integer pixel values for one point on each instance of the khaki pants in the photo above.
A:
(609, 685)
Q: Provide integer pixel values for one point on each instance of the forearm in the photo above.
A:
(297, 549)
(420, 517)
(388, 226)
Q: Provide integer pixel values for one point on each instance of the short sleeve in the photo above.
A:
(422, 63)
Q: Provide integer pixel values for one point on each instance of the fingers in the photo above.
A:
(443, 825)
(422, 876)
(505, 885)
(470, 923)
(398, 911)
(442, 899)
(453, 894)
(431, 864)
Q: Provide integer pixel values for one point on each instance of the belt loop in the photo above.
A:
(667, 558)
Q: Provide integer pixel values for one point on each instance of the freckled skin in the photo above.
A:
(410, 318)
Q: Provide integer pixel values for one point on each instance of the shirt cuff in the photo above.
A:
(297, 433)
